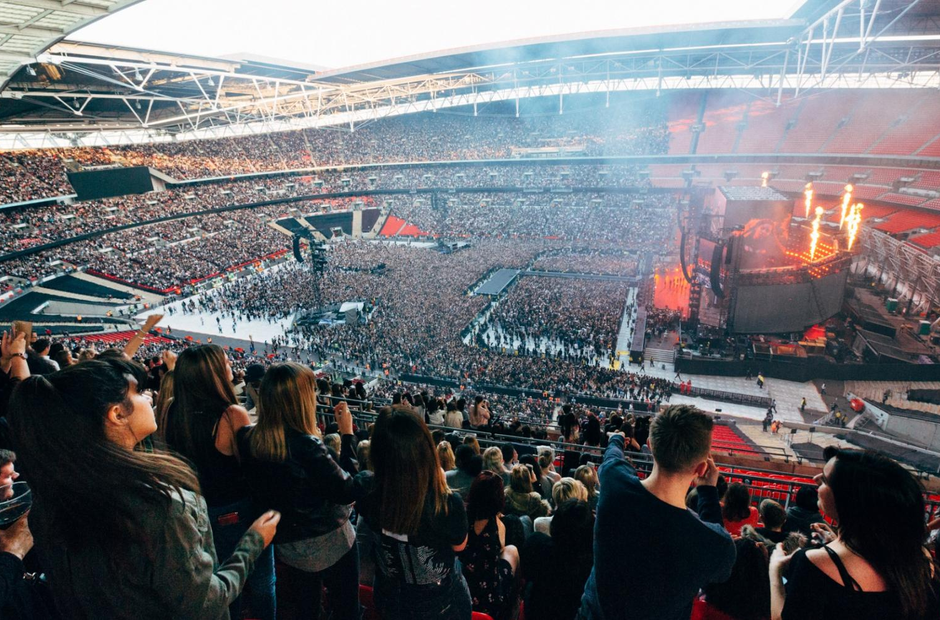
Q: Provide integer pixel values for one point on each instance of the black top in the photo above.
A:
(772, 536)
(309, 489)
(813, 595)
(639, 538)
(554, 579)
(221, 480)
(425, 559)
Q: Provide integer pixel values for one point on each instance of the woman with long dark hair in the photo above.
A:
(736, 509)
(122, 534)
(877, 566)
(201, 424)
(289, 469)
(420, 525)
(489, 564)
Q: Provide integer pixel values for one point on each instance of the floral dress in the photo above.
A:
(488, 575)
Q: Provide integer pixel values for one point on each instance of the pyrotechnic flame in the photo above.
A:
(846, 199)
(764, 176)
(854, 220)
(814, 236)
(809, 198)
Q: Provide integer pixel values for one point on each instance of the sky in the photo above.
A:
(353, 32)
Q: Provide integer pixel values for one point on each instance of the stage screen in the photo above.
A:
(94, 184)
(788, 307)
(758, 218)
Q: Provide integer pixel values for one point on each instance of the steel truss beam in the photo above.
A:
(195, 97)
(914, 275)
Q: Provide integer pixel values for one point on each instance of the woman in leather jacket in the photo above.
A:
(289, 467)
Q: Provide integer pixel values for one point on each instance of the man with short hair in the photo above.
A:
(651, 554)
(8, 474)
(38, 358)
(773, 516)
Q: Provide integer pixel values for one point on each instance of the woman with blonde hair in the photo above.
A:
(288, 466)
(493, 461)
(521, 498)
(562, 491)
(587, 475)
(362, 455)
(418, 524)
(445, 452)
(201, 424)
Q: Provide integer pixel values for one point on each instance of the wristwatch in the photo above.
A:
(23, 355)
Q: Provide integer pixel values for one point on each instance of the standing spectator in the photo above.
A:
(680, 438)
(38, 358)
(8, 474)
(420, 525)
(773, 516)
(467, 466)
(587, 475)
(737, 510)
(137, 510)
(479, 412)
(746, 595)
(523, 500)
(876, 566)
(547, 463)
(493, 461)
(289, 469)
(202, 425)
(489, 564)
(556, 567)
(453, 418)
(446, 455)
(564, 489)
(804, 511)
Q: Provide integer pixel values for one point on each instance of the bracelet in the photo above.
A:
(22, 355)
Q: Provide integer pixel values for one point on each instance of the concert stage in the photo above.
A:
(761, 273)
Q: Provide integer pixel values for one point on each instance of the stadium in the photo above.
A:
(435, 335)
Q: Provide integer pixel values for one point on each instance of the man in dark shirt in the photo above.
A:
(651, 554)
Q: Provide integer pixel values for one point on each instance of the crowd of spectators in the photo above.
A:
(311, 475)
(29, 226)
(603, 262)
(34, 174)
(573, 319)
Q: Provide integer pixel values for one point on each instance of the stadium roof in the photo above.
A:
(93, 94)
(29, 27)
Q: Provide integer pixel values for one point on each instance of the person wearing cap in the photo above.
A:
(253, 375)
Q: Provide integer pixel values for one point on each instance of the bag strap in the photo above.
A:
(847, 580)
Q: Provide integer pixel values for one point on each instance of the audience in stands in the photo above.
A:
(521, 498)
(875, 564)
(737, 510)
(467, 466)
(678, 552)
(289, 469)
(804, 512)
(562, 491)
(746, 594)
(774, 518)
(202, 424)
(557, 565)
(489, 564)
(128, 538)
(418, 523)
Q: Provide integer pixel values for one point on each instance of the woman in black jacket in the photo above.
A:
(288, 466)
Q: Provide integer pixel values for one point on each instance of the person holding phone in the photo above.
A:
(129, 538)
